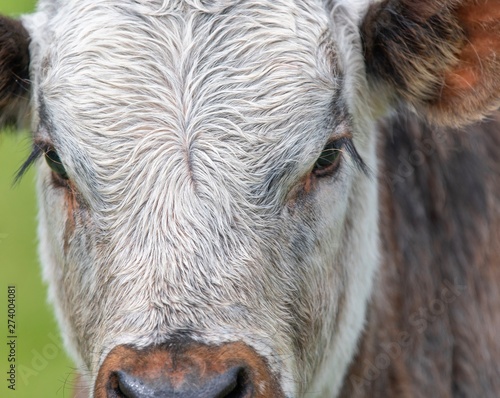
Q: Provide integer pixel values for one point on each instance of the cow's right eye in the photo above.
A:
(54, 162)
(329, 160)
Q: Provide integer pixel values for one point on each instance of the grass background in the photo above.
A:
(43, 369)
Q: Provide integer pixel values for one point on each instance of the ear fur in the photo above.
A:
(440, 56)
(14, 71)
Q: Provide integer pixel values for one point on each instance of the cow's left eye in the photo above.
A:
(54, 162)
(329, 160)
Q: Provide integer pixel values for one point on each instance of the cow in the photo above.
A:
(266, 198)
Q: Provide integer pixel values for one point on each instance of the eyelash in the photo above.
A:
(36, 153)
(53, 161)
(358, 161)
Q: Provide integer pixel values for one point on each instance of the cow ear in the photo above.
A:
(440, 56)
(14, 71)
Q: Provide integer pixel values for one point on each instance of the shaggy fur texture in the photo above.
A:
(189, 131)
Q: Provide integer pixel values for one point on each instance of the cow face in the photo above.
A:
(204, 177)
(208, 200)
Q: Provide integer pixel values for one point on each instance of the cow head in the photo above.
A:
(207, 182)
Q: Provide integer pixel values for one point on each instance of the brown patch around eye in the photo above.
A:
(301, 190)
(72, 209)
(326, 165)
(59, 182)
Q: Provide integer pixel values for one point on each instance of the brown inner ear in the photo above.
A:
(474, 81)
(442, 57)
(14, 69)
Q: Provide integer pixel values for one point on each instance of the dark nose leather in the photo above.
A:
(231, 384)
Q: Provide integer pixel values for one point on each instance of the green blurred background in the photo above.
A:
(43, 368)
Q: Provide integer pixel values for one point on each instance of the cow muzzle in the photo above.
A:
(186, 370)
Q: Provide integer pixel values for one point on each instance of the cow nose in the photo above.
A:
(186, 369)
(231, 384)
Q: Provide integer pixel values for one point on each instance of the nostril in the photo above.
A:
(237, 384)
(123, 385)
(127, 386)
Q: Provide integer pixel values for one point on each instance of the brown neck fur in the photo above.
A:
(433, 323)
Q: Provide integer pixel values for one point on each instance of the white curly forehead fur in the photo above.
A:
(166, 81)
(184, 127)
